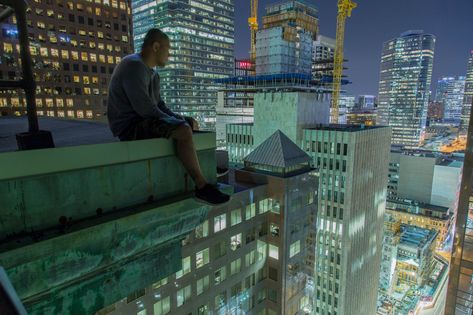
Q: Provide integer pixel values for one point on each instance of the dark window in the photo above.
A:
(78, 91)
(110, 70)
(75, 67)
(115, 26)
(85, 68)
(81, 19)
(72, 18)
(124, 28)
(66, 66)
(345, 149)
(273, 274)
(102, 69)
(94, 69)
(90, 21)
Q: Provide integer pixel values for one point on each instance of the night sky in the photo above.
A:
(376, 21)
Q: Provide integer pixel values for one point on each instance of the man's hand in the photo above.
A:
(192, 123)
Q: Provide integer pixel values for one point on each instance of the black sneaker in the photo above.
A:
(211, 195)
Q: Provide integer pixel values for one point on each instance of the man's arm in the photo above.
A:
(135, 83)
(162, 106)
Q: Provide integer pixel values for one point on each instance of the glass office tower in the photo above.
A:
(468, 96)
(450, 92)
(406, 73)
(202, 42)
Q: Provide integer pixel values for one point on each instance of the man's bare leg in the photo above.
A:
(187, 155)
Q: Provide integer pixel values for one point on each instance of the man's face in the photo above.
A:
(161, 50)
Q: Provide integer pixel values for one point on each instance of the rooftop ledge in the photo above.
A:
(84, 226)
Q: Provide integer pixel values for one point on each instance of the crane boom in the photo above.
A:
(344, 10)
(253, 24)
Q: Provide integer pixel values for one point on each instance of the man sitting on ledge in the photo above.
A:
(136, 111)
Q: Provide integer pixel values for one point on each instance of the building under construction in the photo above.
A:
(284, 63)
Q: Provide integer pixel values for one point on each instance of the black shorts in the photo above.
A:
(150, 128)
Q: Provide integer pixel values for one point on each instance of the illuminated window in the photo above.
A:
(60, 113)
(220, 275)
(183, 295)
(202, 258)
(250, 211)
(76, 79)
(102, 58)
(235, 266)
(59, 102)
(163, 306)
(84, 56)
(186, 267)
(86, 79)
(220, 223)
(235, 242)
(54, 52)
(39, 102)
(8, 48)
(93, 57)
(295, 248)
(87, 91)
(43, 51)
(273, 251)
(75, 55)
(110, 59)
(89, 114)
(65, 54)
(49, 102)
(70, 113)
(202, 285)
(69, 102)
(80, 114)
(202, 230)
(235, 217)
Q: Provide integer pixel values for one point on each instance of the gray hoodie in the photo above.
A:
(133, 95)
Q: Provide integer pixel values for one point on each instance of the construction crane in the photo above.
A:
(344, 10)
(253, 23)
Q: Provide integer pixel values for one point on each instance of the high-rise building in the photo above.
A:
(435, 112)
(468, 96)
(424, 176)
(202, 43)
(366, 101)
(284, 45)
(74, 46)
(352, 161)
(404, 86)
(322, 58)
(254, 255)
(450, 92)
(460, 286)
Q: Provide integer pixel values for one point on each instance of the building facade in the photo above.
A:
(202, 45)
(406, 73)
(468, 96)
(422, 215)
(460, 286)
(352, 197)
(254, 255)
(450, 92)
(74, 46)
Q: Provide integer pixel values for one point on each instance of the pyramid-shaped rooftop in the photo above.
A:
(277, 151)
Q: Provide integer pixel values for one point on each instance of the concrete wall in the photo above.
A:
(416, 177)
(288, 112)
(445, 186)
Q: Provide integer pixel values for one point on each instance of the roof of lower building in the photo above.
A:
(277, 151)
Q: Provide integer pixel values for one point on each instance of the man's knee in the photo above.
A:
(183, 132)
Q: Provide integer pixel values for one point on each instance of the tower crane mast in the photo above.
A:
(344, 10)
(253, 24)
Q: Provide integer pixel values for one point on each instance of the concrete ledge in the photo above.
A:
(42, 189)
(20, 164)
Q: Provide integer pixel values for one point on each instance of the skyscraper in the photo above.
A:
(74, 46)
(468, 96)
(450, 92)
(460, 286)
(254, 255)
(353, 165)
(406, 73)
(202, 42)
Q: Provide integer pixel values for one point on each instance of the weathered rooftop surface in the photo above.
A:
(83, 226)
(65, 132)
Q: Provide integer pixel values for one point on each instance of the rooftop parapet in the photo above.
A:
(84, 226)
